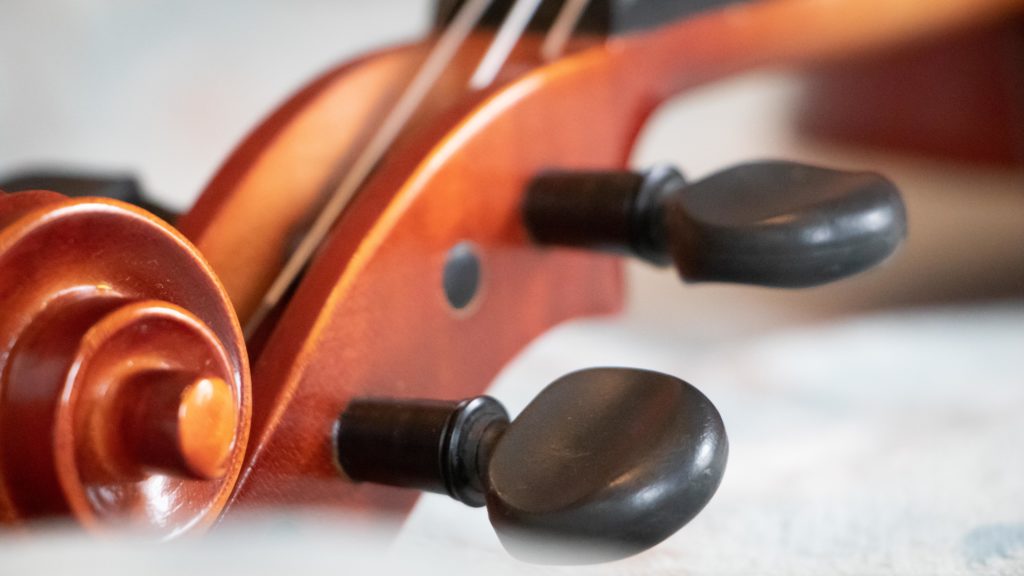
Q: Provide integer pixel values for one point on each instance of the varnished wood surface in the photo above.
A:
(371, 318)
(254, 209)
(124, 386)
(245, 220)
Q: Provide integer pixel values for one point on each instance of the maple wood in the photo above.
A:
(125, 387)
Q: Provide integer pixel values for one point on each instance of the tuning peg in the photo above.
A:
(76, 184)
(770, 223)
(603, 464)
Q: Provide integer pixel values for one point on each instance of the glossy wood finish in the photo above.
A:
(250, 214)
(124, 387)
(959, 97)
(370, 318)
(244, 221)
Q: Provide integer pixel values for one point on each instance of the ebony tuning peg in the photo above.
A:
(770, 223)
(603, 464)
(77, 184)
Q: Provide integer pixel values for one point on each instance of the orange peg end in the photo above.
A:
(181, 424)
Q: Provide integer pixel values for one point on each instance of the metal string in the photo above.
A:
(508, 36)
(565, 23)
(435, 64)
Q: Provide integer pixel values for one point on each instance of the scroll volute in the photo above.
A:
(124, 398)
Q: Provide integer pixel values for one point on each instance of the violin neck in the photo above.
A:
(791, 33)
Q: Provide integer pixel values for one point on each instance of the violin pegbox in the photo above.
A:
(124, 399)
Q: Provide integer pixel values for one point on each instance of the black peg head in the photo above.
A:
(77, 184)
(603, 464)
(783, 224)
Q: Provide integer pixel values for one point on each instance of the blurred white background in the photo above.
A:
(875, 424)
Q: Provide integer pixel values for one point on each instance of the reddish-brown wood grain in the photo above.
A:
(264, 193)
(124, 386)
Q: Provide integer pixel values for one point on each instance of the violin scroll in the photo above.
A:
(125, 387)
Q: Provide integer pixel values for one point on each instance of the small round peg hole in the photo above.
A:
(461, 275)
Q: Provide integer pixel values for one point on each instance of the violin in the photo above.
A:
(319, 329)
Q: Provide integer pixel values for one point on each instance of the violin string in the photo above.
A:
(433, 66)
(508, 35)
(565, 23)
